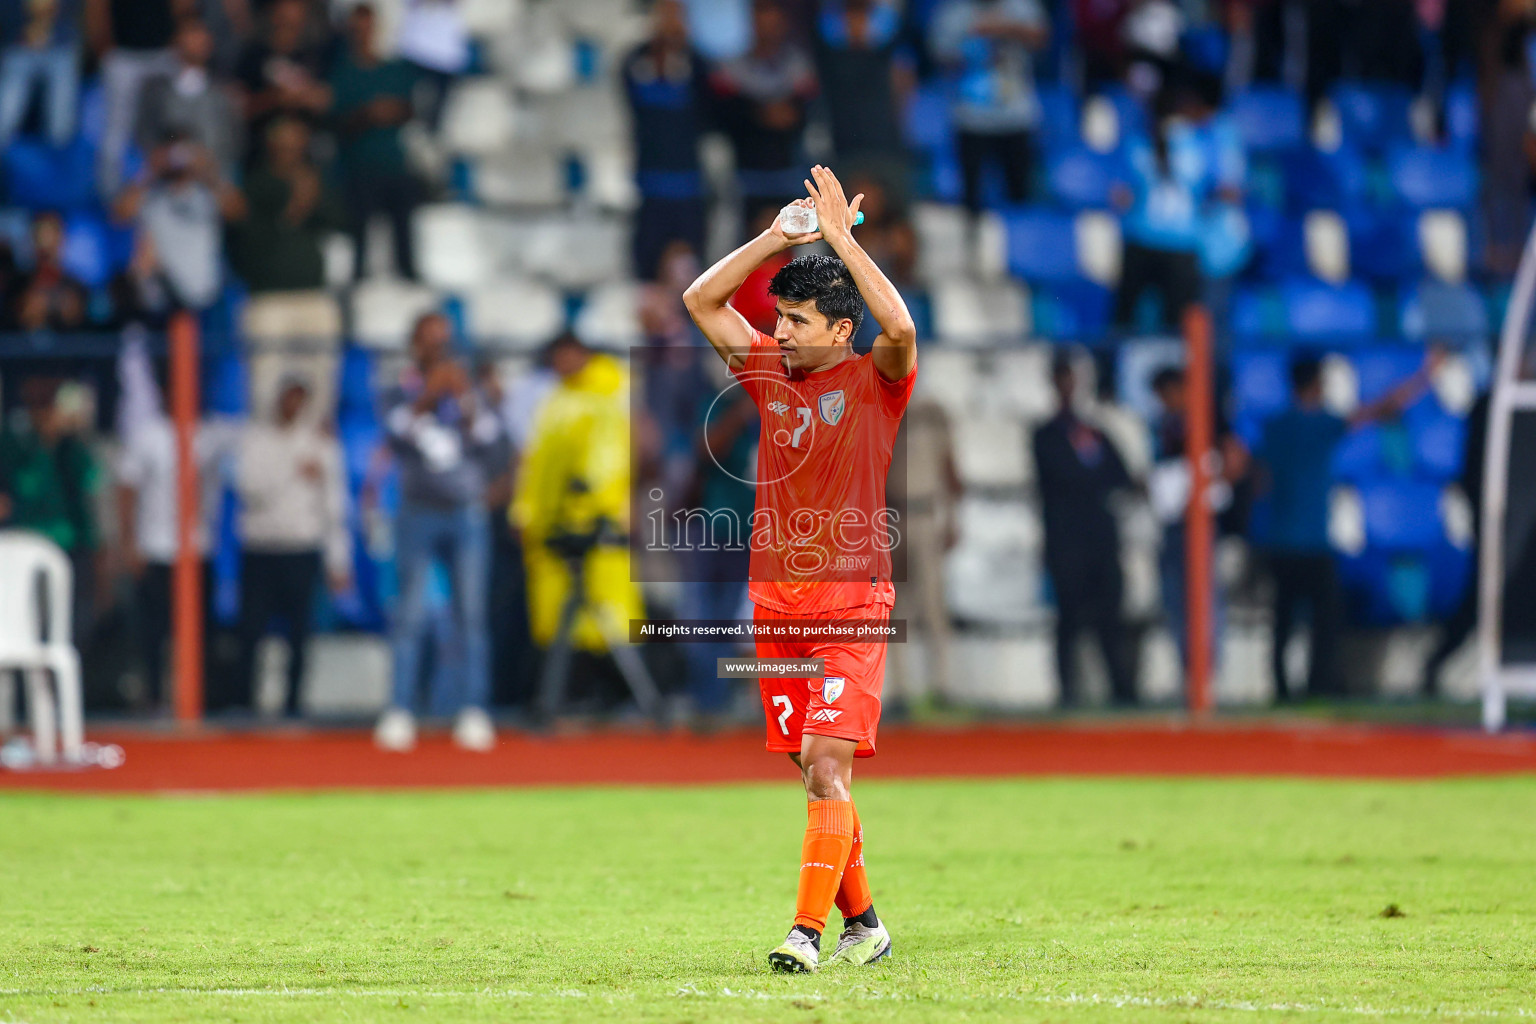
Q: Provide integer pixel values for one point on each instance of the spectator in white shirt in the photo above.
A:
(293, 522)
(147, 513)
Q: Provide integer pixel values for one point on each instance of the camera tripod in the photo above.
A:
(573, 549)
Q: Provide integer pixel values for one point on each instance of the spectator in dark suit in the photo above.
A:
(763, 99)
(665, 81)
(1079, 472)
(856, 46)
(372, 103)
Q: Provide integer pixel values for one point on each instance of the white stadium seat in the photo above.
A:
(384, 311)
(587, 120)
(539, 57)
(610, 317)
(450, 247)
(1327, 127)
(610, 180)
(1098, 246)
(490, 18)
(1443, 243)
(602, 19)
(1455, 385)
(337, 251)
(1341, 385)
(993, 574)
(517, 314)
(576, 253)
(948, 377)
(521, 179)
(942, 233)
(1018, 382)
(1346, 520)
(972, 314)
(478, 118)
(1327, 245)
(1100, 124)
(990, 451)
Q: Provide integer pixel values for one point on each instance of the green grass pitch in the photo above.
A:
(1030, 900)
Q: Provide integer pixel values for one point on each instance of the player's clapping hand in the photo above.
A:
(834, 213)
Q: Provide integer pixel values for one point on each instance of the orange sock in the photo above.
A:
(828, 838)
(853, 896)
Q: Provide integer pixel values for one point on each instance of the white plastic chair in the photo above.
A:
(38, 643)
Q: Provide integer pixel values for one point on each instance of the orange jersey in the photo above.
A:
(820, 532)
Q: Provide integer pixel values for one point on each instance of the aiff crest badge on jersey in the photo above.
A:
(831, 406)
(832, 688)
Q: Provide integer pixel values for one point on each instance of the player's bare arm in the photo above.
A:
(895, 350)
(709, 298)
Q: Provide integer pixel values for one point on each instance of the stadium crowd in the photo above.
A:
(419, 431)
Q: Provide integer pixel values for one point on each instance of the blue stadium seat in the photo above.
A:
(356, 397)
(1439, 440)
(359, 443)
(1461, 115)
(1270, 118)
(1359, 458)
(1071, 309)
(1318, 180)
(1257, 313)
(1206, 48)
(925, 122)
(1408, 592)
(1450, 573)
(1388, 588)
(1496, 299)
(1424, 177)
(1080, 178)
(88, 251)
(1266, 182)
(1439, 309)
(1042, 244)
(41, 177)
(1133, 117)
(1317, 311)
(944, 182)
(1379, 370)
(1402, 515)
(1374, 116)
(226, 385)
(1058, 116)
(1383, 245)
(1361, 577)
(1261, 384)
(1279, 243)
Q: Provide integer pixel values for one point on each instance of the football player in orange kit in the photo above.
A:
(820, 550)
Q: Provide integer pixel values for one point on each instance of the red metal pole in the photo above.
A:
(187, 585)
(1199, 528)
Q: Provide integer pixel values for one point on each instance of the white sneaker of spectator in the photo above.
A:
(473, 730)
(396, 731)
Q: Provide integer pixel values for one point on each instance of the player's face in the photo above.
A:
(806, 340)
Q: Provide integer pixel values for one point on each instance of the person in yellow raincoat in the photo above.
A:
(574, 481)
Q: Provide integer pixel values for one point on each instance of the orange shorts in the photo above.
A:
(844, 703)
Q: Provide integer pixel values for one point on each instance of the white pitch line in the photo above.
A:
(1121, 1002)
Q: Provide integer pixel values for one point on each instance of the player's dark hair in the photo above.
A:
(824, 279)
(1306, 372)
